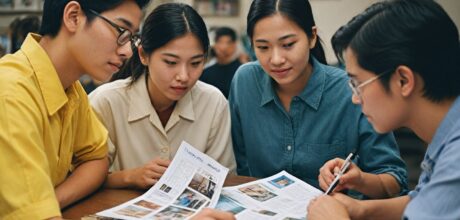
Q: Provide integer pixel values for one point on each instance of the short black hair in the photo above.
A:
(225, 31)
(414, 33)
(53, 10)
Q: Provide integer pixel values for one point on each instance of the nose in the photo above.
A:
(125, 51)
(277, 58)
(355, 99)
(182, 75)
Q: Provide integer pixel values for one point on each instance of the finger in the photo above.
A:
(146, 183)
(336, 171)
(323, 183)
(162, 162)
(326, 173)
(159, 170)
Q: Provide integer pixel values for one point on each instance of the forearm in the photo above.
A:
(84, 180)
(119, 179)
(378, 186)
(382, 209)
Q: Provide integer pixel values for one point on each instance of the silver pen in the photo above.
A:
(343, 169)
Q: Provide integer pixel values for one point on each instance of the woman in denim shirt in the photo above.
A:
(292, 112)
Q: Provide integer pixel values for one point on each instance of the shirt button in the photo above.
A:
(289, 147)
(164, 150)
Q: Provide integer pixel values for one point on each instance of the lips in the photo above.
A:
(280, 73)
(179, 89)
(116, 66)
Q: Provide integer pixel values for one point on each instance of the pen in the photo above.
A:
(343, 169)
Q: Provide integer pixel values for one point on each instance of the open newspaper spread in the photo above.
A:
(194, 181)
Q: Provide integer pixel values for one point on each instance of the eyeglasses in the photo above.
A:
(356, 87)
(124, 34)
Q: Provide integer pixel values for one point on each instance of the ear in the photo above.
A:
(73, 16)
(313, 38)
(143, 56)
(405, 80)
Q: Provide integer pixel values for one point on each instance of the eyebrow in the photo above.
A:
(175, 56)
(279, 39)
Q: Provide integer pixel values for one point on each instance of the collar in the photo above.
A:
(312, 92)
(445, 128)
(50, 85)
(140, 106)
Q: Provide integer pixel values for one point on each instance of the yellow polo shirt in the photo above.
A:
(45, 131)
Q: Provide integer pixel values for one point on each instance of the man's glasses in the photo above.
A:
(124, 34)
(356, 87)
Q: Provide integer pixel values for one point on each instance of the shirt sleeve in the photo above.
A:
(439, 197)
(27, 191)
(379, 153)
(220, 140)
(91, 140)
(236, 130)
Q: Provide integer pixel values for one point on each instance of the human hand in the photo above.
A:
(149, 174)
(213, 214)
(326, 207)
(351, 179)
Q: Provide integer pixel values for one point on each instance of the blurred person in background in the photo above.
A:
(220, 74)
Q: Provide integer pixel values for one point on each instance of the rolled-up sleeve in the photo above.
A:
(91, 140)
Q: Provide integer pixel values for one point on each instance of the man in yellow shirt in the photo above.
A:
(53, 149)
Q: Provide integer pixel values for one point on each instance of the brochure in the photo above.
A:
(281, 196)
(194, 181)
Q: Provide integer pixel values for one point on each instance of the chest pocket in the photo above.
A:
(313, 157)
(325, 150)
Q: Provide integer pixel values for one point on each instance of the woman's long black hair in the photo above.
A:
(164, 24)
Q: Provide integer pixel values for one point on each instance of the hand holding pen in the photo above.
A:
(339, 174)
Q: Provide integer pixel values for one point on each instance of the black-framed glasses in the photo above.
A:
(124, 36)
(356, 87)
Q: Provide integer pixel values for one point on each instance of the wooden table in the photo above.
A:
(107, 198)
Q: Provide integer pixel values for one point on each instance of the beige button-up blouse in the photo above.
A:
(137, 136)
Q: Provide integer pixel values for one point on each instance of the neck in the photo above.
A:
(58, 51)
(422, 109)
(159, 102)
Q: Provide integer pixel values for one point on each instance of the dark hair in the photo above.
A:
(53, 10)
(166, 23)
(225, 31)
(20, 28)
(415, 33)
(299, 11)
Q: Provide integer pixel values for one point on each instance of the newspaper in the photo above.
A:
(281, 196)
(192, 181)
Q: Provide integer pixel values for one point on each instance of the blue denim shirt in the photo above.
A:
(437, 195)
(322, 124)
